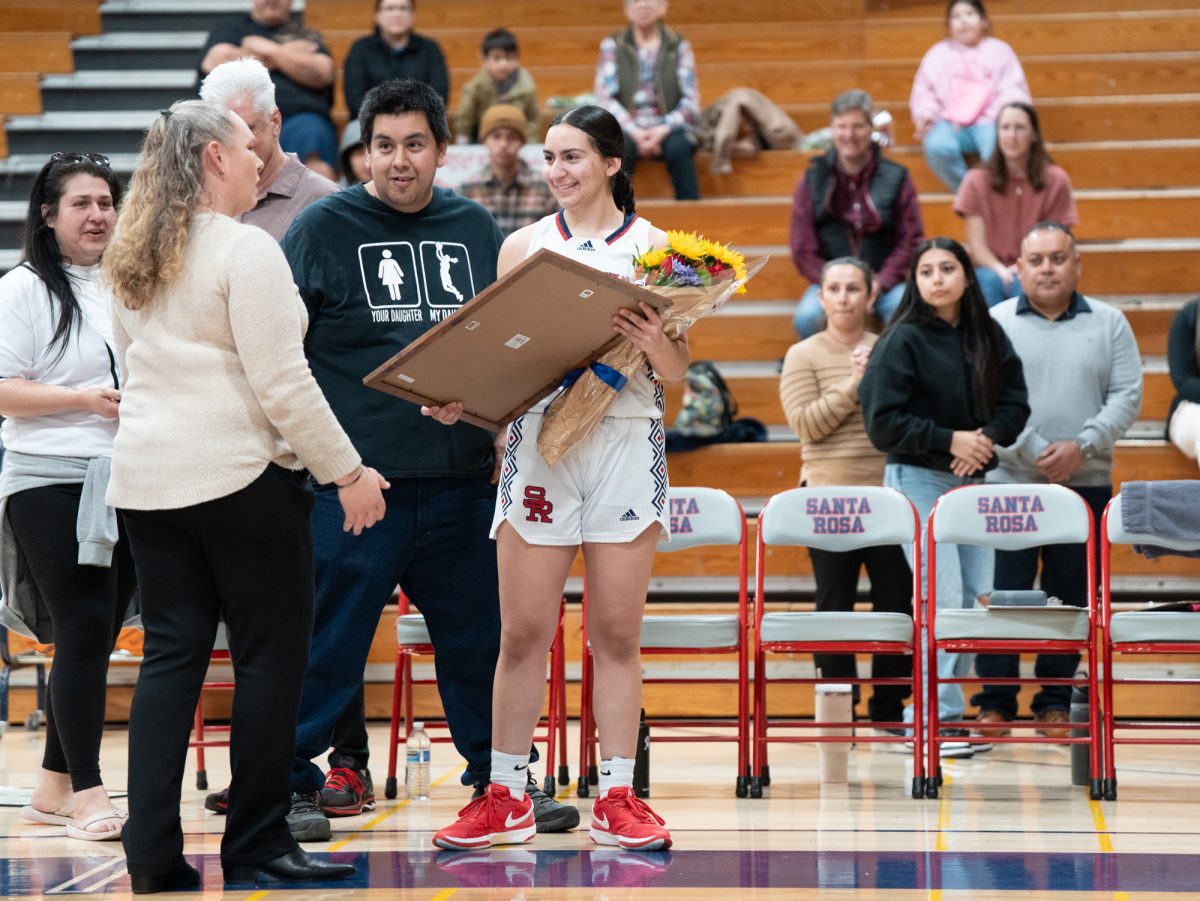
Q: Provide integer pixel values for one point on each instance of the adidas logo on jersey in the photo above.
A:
(629, 516)
(586, 245)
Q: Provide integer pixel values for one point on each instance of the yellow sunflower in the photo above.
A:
(651, 259)
(686, 244)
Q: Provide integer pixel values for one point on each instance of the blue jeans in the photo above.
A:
(947, 143)
(679, 154)
(993, 288)
(434, 543)
(809, 317)
(308, 135)
(964, 571)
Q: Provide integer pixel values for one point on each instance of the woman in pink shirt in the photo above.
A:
(959, 88)
(1019, 187)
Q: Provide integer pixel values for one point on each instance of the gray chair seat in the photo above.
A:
(825, 626)
(1147, 625)
(698, 631)
(1019, 623)
(410, 629)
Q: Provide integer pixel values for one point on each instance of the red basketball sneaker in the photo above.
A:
(494, 818)
(624, 819)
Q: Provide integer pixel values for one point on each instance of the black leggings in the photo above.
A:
(86, 606)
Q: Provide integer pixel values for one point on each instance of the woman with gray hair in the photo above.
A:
(219, 415)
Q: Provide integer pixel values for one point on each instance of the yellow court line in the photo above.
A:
(444, 894)
(1105, 839)
(379, 818)
(935, 894)
(258, 896)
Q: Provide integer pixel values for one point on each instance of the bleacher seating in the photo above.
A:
(1116, 83)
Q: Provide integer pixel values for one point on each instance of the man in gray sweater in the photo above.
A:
(1084, 377)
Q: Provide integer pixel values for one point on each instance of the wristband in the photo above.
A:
(361, 470)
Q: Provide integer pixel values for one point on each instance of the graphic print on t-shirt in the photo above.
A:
(390, 275)
(448, 282)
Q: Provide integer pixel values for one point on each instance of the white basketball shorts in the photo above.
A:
(607, 489)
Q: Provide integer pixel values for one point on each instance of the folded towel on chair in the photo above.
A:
(1167, 509)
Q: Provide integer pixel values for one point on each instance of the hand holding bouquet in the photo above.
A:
(696, 276)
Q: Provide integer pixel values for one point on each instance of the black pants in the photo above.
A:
(891, 592)
(1064, 575)
(350, 736)
(680, 156)
(86, 605)
(246, 559)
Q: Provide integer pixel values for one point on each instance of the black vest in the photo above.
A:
(666, 69)
(834, 237)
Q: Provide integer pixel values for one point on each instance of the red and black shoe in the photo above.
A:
(347, 792)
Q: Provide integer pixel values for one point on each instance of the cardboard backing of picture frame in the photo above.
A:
(511, 344)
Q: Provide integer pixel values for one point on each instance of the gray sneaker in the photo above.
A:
(551, 815)
(306, 820)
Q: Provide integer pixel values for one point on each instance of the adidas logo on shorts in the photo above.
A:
(629, 516)
(586, 245)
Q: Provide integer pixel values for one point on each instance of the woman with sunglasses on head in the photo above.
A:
(942, 389)
(220, 415)
(65, 570)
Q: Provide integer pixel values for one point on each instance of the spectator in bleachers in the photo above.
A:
(959, 88)
(1183, 358)
(220, 417)
(1084, 375)
(65, 568)
(646, 77)
(393, 50)
(1018, 187)
(285, 185)
(819, 391)
(853, 201)
(301, 67)
(502, 79)
(942, 389)
(507, 187)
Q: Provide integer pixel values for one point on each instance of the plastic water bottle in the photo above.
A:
(416, 763)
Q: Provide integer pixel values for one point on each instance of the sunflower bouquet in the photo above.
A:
(696, 276)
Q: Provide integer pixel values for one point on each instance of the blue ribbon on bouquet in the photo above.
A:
(606, 374)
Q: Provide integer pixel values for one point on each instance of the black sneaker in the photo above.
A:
(218, 802)
(306, 820)
(550, 815)
(960, 748)
(347, 792)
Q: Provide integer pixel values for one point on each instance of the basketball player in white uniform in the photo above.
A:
(608, 494)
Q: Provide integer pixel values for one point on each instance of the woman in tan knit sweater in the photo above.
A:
(819, 390)
(219, 413)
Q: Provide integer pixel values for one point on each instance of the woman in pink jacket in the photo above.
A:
(960, 86)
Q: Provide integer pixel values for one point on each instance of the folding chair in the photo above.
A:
(412, 640)
(1139, 632)
(834, 519)
(700, 517)
(35, 656)
(1012, 517)
(200, 731)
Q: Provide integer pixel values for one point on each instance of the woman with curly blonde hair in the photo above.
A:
(219, 415)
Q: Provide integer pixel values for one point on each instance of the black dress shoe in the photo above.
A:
(295, 866)
(181, 876)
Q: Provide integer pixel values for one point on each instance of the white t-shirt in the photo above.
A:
(28, 314)
(642, 395)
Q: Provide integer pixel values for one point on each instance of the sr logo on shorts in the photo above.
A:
(535, 502)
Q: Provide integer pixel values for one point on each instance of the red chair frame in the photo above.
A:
(1111, 530)
(967, 495)
(588, 739)
(554, 725)
(762, 724)
(199, 739)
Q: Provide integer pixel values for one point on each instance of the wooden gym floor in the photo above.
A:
(1008, 825)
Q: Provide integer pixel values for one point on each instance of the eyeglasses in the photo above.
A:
(66, 156)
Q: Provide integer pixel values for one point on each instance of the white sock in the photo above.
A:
(616, 772)
(511, 771)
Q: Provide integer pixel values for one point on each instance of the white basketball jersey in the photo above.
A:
(642, 395)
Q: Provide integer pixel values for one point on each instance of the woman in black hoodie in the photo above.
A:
(943, 388)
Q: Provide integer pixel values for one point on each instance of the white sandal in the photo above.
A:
(60, 817)
(79, 829)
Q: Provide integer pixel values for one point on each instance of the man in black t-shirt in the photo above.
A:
(301, 68)
(377, 265)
